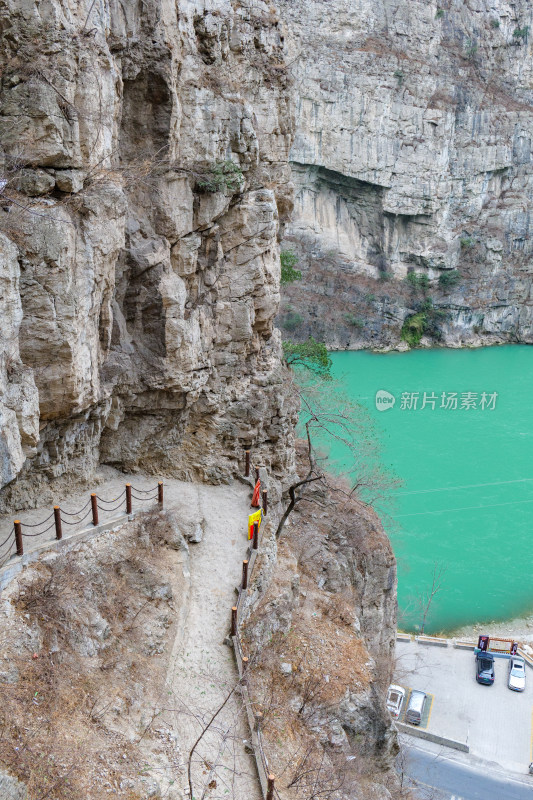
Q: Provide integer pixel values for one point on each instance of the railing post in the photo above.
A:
(265, 502)
(244, 574)
(57, 520)
(160, 493)
(259, 720)
(270, 787)
(256, 474)
(247, 464)
(244, 663)
(234, 620)
(18, 537)
(128, 498)
(94, 505)
(255, 538)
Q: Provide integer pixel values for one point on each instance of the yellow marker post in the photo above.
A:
(257, 516)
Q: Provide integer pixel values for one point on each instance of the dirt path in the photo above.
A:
(202, 670)
(203, 673)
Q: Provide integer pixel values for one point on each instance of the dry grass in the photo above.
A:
(78, 644)
(314, 629)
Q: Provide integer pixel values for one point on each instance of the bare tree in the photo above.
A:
(427, 597)
(346, 425)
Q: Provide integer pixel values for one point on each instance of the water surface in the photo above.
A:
(466, 501)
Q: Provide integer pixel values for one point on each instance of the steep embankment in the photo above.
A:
(412, 154)
(321, 642)
(140, 271)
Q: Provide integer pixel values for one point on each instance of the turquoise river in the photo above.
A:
(466, 465)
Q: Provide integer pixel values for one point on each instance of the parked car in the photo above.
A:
(517, 674)
(416, 706)
(485, 668)
(395, 698)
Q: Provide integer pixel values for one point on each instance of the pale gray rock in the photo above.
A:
(148, 305)
(412, 152)
(69, 180)
(34, 182)
(11, 788)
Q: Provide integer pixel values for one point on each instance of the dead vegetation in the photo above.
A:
(84, 647)
(319, 674)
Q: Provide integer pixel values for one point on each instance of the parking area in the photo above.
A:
(494, 721)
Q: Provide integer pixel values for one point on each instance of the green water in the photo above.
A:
(467, 496)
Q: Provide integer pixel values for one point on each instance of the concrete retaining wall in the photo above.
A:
(421, 733)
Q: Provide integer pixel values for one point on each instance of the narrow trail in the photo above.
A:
(202, 671)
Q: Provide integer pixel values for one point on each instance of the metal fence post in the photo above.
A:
(160, 493)
(234, 620)
(57, 520)
(270, 787)
(128, 498)
(244, 574)
(94, 505)
(18, 537)
(265, 502)
(247, 464)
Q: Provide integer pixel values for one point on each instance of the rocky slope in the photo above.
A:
(321, 643)
(412, 154)
(139, 269)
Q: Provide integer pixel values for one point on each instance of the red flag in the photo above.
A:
(256, 495)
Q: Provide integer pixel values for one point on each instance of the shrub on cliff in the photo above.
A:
(311, 354)
(221, 177)
(426, 321)
(449, 279)
(288, 262)
(418, 280)
(291, 321)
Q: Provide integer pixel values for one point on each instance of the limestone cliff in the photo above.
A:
(412, 154)
(143, 158)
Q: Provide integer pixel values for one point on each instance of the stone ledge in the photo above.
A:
(421, 733)
(404, 637)
(17, 563)
(433, 640)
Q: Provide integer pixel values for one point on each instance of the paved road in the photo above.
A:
(494, 721)
(439, 777)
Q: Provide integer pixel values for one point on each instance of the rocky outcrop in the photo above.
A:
(412, 155)
(321, 638)
(144, 160)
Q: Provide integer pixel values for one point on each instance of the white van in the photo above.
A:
(415, 709)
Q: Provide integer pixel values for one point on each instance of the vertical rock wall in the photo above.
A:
(141, 304)
(412, 153)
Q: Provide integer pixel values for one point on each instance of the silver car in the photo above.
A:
(517, 674)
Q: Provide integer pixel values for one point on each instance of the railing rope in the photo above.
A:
(58, 516)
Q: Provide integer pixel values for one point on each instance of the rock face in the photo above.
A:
(144, 163)
(322, 639)
(412, 154)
